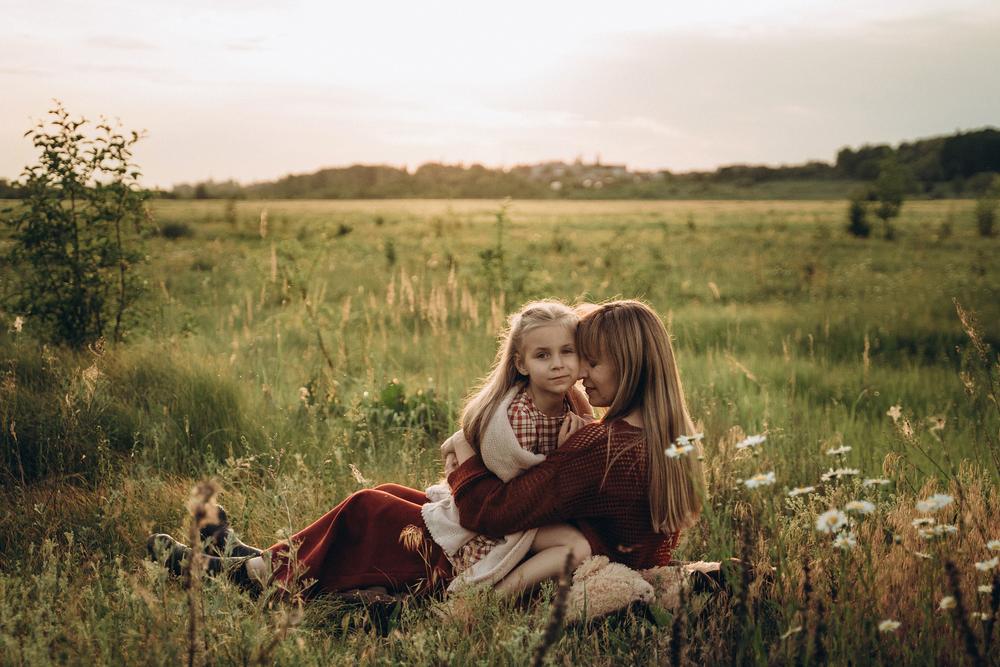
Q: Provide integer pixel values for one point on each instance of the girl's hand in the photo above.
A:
(571, 424)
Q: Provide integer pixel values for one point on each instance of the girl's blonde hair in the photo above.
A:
(631, 337)
(483, 402)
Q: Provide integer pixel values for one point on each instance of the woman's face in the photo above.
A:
(599, 380)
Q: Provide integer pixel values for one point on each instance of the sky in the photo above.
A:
(254, 90)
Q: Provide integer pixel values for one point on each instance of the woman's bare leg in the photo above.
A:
(550, 548)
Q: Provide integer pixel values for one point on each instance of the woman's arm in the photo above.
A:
(568, 484)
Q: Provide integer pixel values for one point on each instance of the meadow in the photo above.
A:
(295, 352)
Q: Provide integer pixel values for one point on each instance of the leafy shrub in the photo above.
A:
(75, 237)
(857, 216)
(176, 230)
(986, 209)
(422, 410)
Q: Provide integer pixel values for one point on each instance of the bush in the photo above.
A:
(888, 193)
(176, 230)
(75, 236)
(857, 216)
(986, 209)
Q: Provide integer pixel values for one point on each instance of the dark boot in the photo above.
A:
(218, 539)
(176, 557)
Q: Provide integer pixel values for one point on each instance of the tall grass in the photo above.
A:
(275, 363)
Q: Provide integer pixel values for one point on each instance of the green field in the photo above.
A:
(280, 343)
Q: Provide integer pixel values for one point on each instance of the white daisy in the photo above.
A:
(673, 451)
(922, 521)
(860, 506)
(987, 565)
(993, 545)
(846, 541)
(831, 521)
(760, 479)
(839, 451)
(888, 625)
(800, 490)
(688, 439)
(895, 412)
(980, 616)
(947, 602)
(750, 441)
(875, 481)
(935, 502)
(986, 589)
(838, 473)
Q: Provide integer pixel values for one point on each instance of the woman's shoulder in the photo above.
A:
(616, 432)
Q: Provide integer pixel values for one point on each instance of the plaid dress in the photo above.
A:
(536, 432)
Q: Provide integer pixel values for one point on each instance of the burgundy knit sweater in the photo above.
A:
(598, 484)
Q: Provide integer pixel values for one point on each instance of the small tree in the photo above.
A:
(986, 208)
(75, 233)
(857, 215)
(888, 192)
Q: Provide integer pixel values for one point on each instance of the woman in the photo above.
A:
(613, 480)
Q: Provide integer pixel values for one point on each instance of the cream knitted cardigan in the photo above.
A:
(505, 457)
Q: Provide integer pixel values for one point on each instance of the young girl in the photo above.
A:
(523, 411)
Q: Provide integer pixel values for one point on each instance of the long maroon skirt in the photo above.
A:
(366, 541)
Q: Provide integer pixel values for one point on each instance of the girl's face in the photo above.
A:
(548, 357)
(600, 381)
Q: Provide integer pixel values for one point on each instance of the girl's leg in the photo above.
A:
(550, 548)
(358, 544)
(404, 492)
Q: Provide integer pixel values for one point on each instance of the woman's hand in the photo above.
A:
(571, 424)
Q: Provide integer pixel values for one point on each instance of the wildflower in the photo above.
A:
(993, 545)
(800, 490)
(980, 616)
(751, 441)
(860, 506)
(358, 477)
(875, 481)
(791, 631)
(937, 531)
(18, 324)
(937, 423)
(846, 541)
(673, 451)
(838, 473)
(947, 602)
(888, 625)
(895, 412)
(686, 440)
(304, 394)
(839, 451)
(831, 521)
(987, 565)
(986, 589)
(922, 521)
(922, 554)
(760, 479)
(935, 502)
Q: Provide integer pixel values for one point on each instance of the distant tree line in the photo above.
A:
(961, 164)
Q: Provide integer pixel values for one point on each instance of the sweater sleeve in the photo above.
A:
(569, 483)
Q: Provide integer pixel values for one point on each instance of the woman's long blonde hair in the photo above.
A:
(483, 402)
(631, 337)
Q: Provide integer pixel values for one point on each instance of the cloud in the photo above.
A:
(784, 96)
(120, 43)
